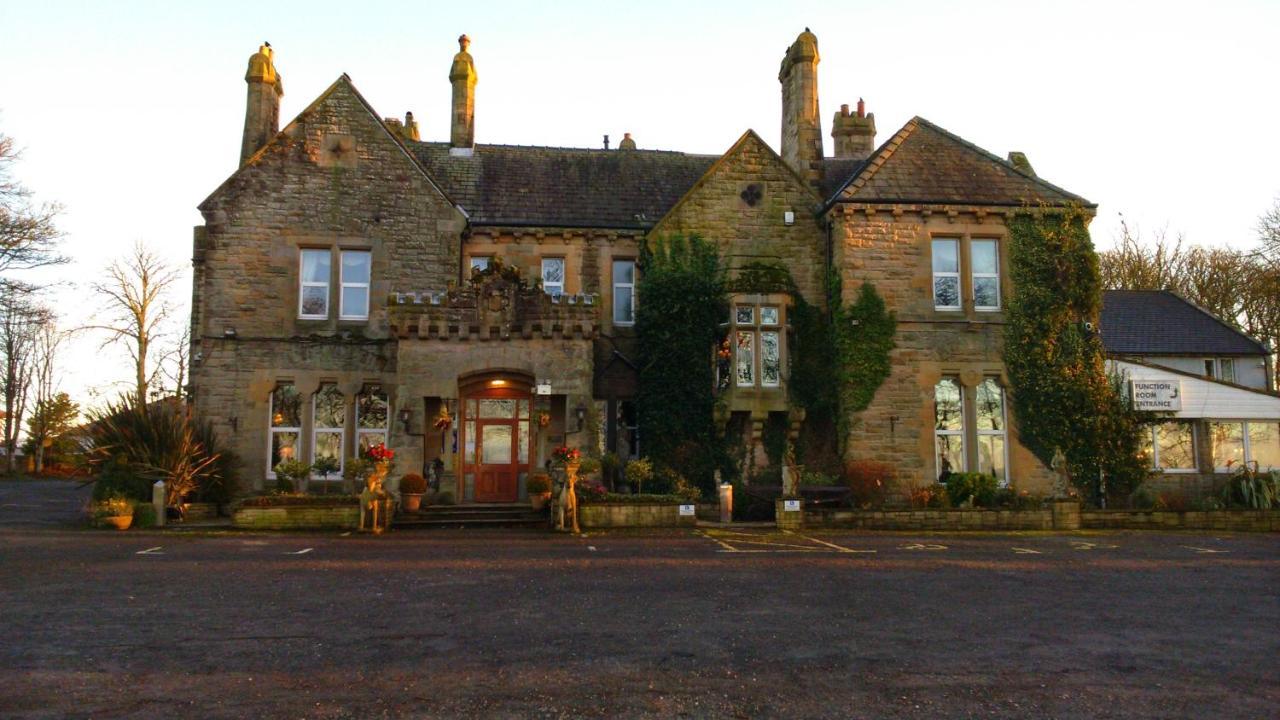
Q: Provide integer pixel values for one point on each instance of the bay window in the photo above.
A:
(756, 334)
(286, 426)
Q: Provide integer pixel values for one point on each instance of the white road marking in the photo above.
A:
(1025, 551)
(150, 551)
(839, 548)
(303, 551)
(920, 546)
(727, 547)
(592, 548)
(1203, 550)
(345, 534)
(1092, 546)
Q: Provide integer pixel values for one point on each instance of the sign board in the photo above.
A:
(543, 388)
(687, 510)
(791, 506)
(1156, 395)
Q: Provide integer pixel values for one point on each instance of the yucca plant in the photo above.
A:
(159, 442)
(1253, 489)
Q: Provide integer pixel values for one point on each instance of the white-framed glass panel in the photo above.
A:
(355, 272)
(553, 275)
(285, 410)
(1227, 439)
(313, 288)
(624, 292)
(372, 418)
(495, 444)
(479, 262)
(745, 369)
(1173, 447)
(946, 274)
(948, 426)
(1227, 370)
(1263, 444)
(990, 418)
(985, 259)
(770, 358)
(744, 315)
(328, 420)
(1210, 369)
(768, 315)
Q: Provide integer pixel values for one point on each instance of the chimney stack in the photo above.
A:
(462, 133)
(627, 143)
(855, 134)
(262, 110)
(801, 124)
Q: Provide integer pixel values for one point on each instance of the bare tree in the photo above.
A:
(47, 343)
(1137, 264)
(20, 324)
(136, 296)
(176, 363)
(1269, 231)
(28, 236)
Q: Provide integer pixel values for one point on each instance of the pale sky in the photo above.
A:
(130, 113)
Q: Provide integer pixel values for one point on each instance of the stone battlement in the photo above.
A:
(492, 314)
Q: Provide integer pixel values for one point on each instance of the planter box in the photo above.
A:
(199, 511)
(950, 519)
(299, 517)
(1239, 520)
(601, 515)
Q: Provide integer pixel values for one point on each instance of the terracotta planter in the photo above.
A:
(539, 501)
(119, 522)
(412, 501)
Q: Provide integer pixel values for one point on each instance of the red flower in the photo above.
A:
(379, 453)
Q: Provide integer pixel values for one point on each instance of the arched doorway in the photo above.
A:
(496, 437)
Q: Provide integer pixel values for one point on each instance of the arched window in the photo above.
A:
(371, 418)
(329, 418)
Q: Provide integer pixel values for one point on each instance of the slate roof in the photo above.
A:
(924, 164)
(563, 187)
(1159, 322)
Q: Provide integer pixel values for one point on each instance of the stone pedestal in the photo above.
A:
(726, 503)
(1066, 513)
(789, 513)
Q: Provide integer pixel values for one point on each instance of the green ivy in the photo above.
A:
(1060, 391)
(681, 301)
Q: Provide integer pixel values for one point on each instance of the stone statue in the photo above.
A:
(790, 471)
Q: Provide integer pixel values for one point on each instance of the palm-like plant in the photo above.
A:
(159, 441)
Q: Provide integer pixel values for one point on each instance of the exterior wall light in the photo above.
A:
(229, 333)
(405, 416)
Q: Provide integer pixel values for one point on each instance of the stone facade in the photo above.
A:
(340, 181)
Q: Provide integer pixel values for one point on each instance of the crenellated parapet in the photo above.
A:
(492, 313)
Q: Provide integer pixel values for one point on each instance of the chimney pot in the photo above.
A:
(862, 108)
(627, 143)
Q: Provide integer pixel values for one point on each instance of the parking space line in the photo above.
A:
(1092, 546)
(1200, 550)
(838, 548)
(923, 546)
(724, 545)
(303, 551)
(151, 551)
(1025, 551)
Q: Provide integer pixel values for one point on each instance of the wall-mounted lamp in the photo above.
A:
(789, 217)
(581, 412)
(229, 333)
(235, 424)
(405, 416)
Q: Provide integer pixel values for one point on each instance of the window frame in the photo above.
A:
(974, 275)
(303, 283)
(1223, 364)
(1002, 433)
(961, 432)
(616, 284)
(1153, 438)
(1246, 449)
(478, 262)
(933, 289)
(385, 430)
(340, 430)
(542, 273)
(273, 429)
(343, 285)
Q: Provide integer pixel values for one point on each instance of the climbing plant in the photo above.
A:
(680, 302)
(1060, 391)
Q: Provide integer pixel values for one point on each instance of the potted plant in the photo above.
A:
(324, 467)
(291, 475)
(539, 488)
(412, 487)
(116, 511)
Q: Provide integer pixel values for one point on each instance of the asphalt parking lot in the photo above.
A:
(705, 623)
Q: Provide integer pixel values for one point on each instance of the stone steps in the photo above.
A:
(495, 515)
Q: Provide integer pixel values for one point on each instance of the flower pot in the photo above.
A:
(538, 501)
(119, 522)
(412, 501)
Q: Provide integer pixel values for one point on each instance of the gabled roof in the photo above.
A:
(1160, 322)
(563, 187)
(343, 83)
(924, 164)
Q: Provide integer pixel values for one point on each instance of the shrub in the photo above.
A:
(290, 473)
(867, 481)
(115, 506)
(1012, 499)
(144, 515)
(356, 471)
(1175, 501)
(647, 499)
(588, 466)
(117, 478)
(538, 484)
(590, 491)
(299, 500)
(1142, 499)
(160, 441)
(974, 488)
(610, 463)
(929, 496)
(1252, 489)
(413, 483)
(638, 472)
(326, 466)
(818, 479)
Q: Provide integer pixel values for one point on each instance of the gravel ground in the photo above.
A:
(662, 624)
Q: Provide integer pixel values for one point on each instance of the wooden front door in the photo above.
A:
(496, 422)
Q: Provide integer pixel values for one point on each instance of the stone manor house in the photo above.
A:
(334, 304)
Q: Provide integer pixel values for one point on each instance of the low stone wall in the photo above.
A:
(199, 511)
(299, 517)
(601, 515)
(957, 519)
(1243, 520)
